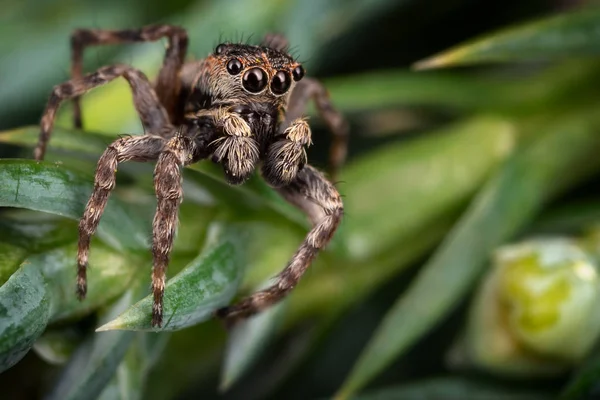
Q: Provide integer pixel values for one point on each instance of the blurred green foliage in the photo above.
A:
(445, 166)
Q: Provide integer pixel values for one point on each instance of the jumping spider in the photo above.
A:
(241, 106)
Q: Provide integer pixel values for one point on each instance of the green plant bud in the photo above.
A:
(536, 310)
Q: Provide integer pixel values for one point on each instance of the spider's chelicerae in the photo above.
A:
(241, 107)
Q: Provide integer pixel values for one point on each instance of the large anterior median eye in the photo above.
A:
(281, 82)
(254, 80)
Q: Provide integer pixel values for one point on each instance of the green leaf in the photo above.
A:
(73, 140)
(246, 342)
(24, 312)
(130, 377)
(585, 378)
(562, 36)
(56, 346)
(431, 176)
(505, 204)
(95, 362)
(207, 283)
(452, 388)
(43, 290)
(52, 188)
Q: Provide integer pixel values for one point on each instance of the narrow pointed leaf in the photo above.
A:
(563, 36)
(246, 342)
(452, 388)
(130, 377)
(505, 204)
(52, 188)
(43, 290)
(65, 139)
(56, 346)
(585, 379)
(24, 312)
(95, 362)
(207, 283)
(431, 176)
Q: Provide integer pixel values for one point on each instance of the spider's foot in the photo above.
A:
(81, 291)
(157, 317)
(81, 283)
(229, 316)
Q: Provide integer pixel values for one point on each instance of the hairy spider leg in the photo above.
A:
(132, 148)
(167, 84)
(311, 89)
(312, 193)
(179, 151)
(153, 116)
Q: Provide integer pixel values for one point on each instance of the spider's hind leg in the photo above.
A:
(153, 116)
(320, 200)
(167, 86)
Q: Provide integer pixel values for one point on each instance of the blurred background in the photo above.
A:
(419, 296)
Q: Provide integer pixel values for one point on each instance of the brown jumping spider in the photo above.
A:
(241, 106)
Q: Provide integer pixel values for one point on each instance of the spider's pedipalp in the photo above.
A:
(236, 149)
(133, 148)
(320, 200)
(178, 152)
(152, 114)
(286, 156)
(306, 90)
(167, 84)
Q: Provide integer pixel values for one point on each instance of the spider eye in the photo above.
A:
(298, 73)
(281, 82)
(254, 80)
(220, 49)
(234, 66)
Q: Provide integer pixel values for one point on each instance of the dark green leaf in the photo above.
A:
(94, 363)
(56, 346)
(246, 342)
(24, 312)
(52, 188)
(43, 290)
(452, 388)
(130, 378)
(562, 36)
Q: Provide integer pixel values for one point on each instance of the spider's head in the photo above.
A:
(253, 73)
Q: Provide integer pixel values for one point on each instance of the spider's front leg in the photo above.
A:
(319, 199)
(306, 90)
(134, 148)
(178, 152)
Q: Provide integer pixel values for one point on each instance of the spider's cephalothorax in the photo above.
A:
(241, 107)
(244, 91)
